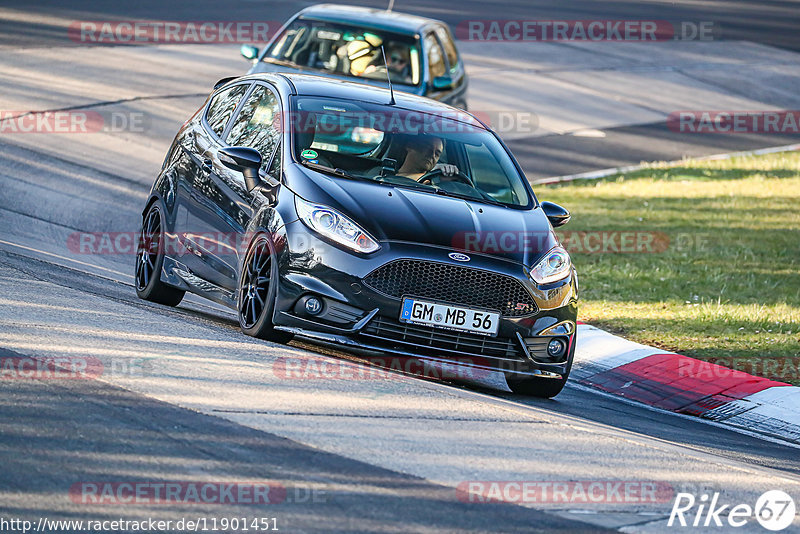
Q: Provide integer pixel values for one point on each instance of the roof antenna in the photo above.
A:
(388, 77)
(391, 5)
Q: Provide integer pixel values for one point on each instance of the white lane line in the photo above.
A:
(588, 425)
(125, 277)
(100, 104)
(191, 302)
(602, 173)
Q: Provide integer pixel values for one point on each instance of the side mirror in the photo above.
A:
(557, 215)
(245, 160)
(442, 83)
(249, 51)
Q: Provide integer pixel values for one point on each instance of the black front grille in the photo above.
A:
(440, 342)
(453, 284)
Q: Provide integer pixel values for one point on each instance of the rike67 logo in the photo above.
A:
(774, 510)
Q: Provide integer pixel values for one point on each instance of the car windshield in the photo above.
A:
(348, 51)
(433, 153)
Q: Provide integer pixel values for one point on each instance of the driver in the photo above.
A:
(397, 61)
(422, 156)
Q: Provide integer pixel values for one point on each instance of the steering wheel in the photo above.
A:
(434, 177)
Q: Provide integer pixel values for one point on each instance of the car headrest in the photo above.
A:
(360, 54)
(398, 149)
(374, 40)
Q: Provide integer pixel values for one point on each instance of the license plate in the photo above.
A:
(451, 317)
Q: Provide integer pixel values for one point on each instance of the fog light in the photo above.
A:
(313, 305)
(556, 348)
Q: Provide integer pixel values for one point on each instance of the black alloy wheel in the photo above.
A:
(149, 260)
(256, 295)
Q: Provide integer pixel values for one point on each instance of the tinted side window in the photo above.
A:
(222, 107)
(449, 47)
(258, 125)
(435, 56)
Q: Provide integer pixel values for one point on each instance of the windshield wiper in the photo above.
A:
(330, 170)
(285, 63)
(490, 200)
(484, 198)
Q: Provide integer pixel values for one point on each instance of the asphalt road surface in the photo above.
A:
(185, 397)
(773, 23)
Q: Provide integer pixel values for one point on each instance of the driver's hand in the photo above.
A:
(446, 168)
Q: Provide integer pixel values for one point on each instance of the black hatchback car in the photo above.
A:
(348, 214)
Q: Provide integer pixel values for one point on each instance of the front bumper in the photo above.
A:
(355, 315)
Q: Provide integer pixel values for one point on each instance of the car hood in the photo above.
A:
(391, 213)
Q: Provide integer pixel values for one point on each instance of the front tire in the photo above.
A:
(257, 292)
(545, 388)
(150, 259)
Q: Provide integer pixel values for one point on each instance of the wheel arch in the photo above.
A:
(268, 221)
(150, 201)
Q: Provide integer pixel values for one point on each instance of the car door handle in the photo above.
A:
(207, 165)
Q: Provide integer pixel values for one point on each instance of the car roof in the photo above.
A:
(310, 85)
(368, 17)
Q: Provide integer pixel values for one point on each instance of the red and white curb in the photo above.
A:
(685, 385)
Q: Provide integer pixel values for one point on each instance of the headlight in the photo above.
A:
(553, 267)
(335, 226)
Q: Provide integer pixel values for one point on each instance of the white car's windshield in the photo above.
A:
(349, 51)
(434, 153)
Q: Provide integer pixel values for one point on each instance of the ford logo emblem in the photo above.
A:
(458, 256)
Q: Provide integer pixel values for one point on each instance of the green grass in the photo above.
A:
(725, 285)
